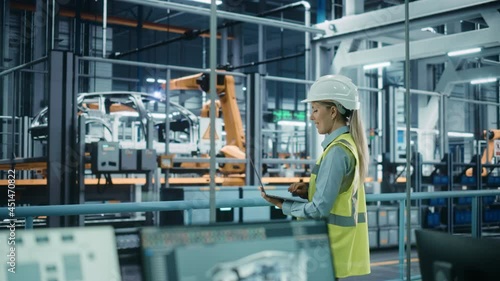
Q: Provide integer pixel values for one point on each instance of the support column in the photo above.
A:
(321, 11)
(62, 151)
(427, 112)
(236, 44)
(353, 7)
(253, 128)
(224, 47)
(39, 41)
(77, 45)
(4, 81)
(314, 148)
(443, 129)
(139, 44)
(350, 7)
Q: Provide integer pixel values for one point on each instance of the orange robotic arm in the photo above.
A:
(490, 136)
(205, 109)
(231, 113)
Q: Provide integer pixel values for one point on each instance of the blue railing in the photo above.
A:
(85, 209)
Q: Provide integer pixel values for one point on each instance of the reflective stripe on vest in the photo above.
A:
(346, 221)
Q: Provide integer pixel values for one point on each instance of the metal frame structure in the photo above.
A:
(384, 26)
(61, 168)
(68, 210)
(379, 25)
(62, 132)
(3, 75)
(346, 34)
(224, 15)
(168, 68)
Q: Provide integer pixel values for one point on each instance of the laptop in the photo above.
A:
(287, 198)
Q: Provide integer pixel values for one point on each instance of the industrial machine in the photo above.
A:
(235, 138)
(83, 253)
(121, 116)
(490, 136)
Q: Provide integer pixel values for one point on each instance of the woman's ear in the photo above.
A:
(334, 111)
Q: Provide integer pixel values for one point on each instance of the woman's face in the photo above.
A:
(324, 117)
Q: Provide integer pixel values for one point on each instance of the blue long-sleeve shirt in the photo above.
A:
(336, 170)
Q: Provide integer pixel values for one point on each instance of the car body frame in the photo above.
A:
(122, 116)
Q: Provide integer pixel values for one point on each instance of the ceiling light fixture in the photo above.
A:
(460, 135)
(464, 52)
(429, 29)
(161, 81)
(160, 115)
(483, 80)
(377, 65)
(157, 94)
(218, 2)
(292, 123)
(150, 80)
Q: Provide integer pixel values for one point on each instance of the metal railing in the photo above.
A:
(85, 209)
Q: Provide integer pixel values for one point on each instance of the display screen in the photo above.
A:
(291, 250)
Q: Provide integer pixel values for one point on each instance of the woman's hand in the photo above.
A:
(299, 189)
(276, 202)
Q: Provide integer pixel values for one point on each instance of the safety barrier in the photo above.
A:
(65, 210)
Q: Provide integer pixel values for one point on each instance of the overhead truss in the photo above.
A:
(379, 25)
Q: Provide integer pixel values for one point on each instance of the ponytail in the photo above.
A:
(359, 136)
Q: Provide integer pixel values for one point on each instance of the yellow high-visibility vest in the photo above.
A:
(347, 222)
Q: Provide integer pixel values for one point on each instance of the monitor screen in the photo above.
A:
(71, 253)
(277, 251)
(447, 257)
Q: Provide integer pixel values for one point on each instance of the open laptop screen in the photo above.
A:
(275, 196)
(291, 250)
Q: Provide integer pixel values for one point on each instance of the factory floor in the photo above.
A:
(385, 266)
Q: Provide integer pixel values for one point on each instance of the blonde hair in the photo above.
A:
(359, 137)
(357, 130)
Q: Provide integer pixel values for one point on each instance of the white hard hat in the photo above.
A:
(335, 88)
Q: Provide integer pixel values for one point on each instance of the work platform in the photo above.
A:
(223, 181)
(40, 165)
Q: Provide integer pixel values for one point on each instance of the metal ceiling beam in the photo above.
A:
(489, 62)
(491, 17)
(189, 35)
(399, 38)
(381, 22)
(467, 75)
(111, 20)
(421, 49)
(225, 15)
(485, 52)
(451, 77)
